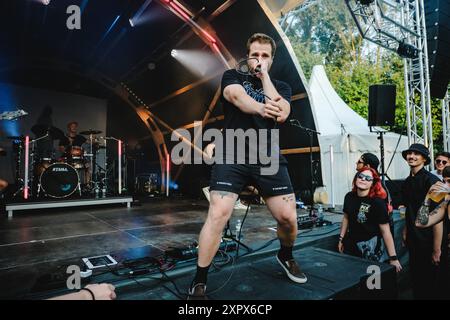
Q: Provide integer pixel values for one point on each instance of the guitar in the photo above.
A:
(12, 115)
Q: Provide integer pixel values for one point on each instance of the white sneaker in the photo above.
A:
(206, 193)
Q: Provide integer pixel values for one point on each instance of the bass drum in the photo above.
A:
(59, 180)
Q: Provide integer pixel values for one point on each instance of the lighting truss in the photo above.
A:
(446, 120)
(389, 23)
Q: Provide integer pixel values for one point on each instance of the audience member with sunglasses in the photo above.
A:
(371, 161)
(441, 160)
(365, 228)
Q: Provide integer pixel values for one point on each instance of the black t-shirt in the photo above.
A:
(77, 141)
(365, 216)
(414, 190)
(236, 119)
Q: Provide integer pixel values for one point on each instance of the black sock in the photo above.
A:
(285, 253)
(201, 275)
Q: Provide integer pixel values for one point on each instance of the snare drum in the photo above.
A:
(77, 162)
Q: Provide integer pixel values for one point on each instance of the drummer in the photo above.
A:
(71, 147)
(71, 139)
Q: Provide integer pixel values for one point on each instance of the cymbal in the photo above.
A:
(40, 130)
(89, 132)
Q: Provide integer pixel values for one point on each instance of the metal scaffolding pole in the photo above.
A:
(446, 120)
(394, 24)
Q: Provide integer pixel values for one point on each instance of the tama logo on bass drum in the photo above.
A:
(60, 170)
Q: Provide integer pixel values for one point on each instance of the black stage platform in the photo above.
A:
(36, 249)
(331, 276)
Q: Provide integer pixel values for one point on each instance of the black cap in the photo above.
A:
(419, 148)
(371, 160)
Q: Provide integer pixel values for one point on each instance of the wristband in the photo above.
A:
(393, 258)
(90, 291)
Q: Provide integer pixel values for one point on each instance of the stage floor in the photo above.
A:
(39, 245)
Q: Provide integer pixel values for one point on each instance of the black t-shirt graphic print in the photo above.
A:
(236, 119)
(365, 216)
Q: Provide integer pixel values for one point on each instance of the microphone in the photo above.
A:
(257, 69)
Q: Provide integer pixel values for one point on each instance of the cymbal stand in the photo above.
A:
(119, 158)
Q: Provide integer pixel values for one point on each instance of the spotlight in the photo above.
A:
(135, 19)
(173, 53)
(131, 22)
(151, 66)
(46, 2)
(406, 50)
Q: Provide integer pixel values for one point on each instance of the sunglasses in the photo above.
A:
(438, 161)
(360, 161)
(364, 177)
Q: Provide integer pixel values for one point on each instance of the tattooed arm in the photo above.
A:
(425, 218)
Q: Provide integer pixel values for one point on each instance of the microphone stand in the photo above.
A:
(310, 132)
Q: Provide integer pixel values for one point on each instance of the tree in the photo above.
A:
(325, 33)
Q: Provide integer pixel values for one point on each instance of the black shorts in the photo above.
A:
(234, 177)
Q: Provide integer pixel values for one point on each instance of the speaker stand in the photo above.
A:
(310, 133)
(383, 174)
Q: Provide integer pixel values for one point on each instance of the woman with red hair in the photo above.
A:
(366, 221)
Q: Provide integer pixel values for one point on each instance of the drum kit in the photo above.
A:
(77, 169)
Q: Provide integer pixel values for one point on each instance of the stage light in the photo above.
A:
(406, 50)
(151, 66)
(46, 2)
(131, 22)
(136, 20)
(198, 62)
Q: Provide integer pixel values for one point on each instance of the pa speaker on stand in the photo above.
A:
(382, 113)
(382, 105)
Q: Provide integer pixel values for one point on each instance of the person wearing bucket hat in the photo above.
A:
(424, 244)
(418, 148)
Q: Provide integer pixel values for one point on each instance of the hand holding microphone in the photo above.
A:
(251, 67)
(260, 70)
(272, 110)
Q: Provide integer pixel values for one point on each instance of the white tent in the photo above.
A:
(345, 135)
